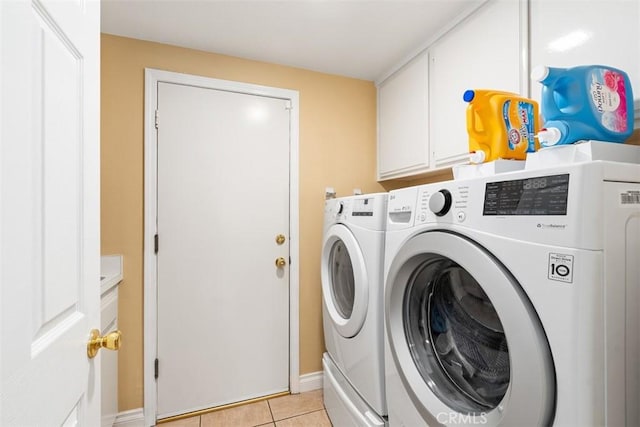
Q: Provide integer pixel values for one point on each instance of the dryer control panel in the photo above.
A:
(366, 211)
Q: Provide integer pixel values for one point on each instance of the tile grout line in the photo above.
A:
(301, 414)
(273, 419)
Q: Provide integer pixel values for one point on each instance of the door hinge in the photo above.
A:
(287, 105)
(155, 244)
(157, 120)
(155, 368)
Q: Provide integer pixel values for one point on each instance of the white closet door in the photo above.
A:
(223, 197)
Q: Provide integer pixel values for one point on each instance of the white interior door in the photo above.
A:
(222, 198)
(49, 212)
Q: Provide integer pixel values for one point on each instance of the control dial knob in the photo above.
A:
(340, 208)
(440, 202)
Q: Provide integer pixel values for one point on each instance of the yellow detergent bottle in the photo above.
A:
(501, 125)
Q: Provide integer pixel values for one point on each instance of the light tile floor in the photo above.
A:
(295, 410)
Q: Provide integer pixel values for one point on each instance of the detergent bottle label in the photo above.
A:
(609, 98)
(519, 122)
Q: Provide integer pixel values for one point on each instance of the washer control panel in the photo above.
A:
(445, 203)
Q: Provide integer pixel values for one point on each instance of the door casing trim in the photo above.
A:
(152, 78)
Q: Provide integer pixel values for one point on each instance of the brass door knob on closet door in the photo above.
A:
(110, 341)
(280, 262)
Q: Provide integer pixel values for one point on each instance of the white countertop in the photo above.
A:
(110, 272)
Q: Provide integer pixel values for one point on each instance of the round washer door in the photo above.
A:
(466, 341)
(344, 280)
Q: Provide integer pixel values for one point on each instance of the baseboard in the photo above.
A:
(132, 418)
(310, 382)
(135, 417)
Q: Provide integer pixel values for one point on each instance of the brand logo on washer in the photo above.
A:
(552, 226)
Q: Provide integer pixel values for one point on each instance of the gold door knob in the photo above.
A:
(280, 262)
(111, 341)
(280, 239)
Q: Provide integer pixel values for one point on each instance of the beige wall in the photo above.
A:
(337, 148)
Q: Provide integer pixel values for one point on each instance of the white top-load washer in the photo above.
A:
(514, 299)
(352, 289)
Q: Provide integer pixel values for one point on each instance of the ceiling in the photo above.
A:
(356, 38)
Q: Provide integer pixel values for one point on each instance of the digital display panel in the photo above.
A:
(545, 195)
(362, 208)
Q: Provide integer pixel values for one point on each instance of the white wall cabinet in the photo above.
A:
(421, 114)
(403, 146)
(424, 129)
(569, 33)
(482, 52)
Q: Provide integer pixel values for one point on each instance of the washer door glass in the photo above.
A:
(455, 337)
(345, 293)
(342, 280)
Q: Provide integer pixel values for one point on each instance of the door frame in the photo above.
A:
(152, 78)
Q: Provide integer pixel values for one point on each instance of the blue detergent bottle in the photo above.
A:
(589, 102)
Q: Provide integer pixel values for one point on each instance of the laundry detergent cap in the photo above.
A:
(549, 136)
(468, 95)
(477, 157)
(540, 73)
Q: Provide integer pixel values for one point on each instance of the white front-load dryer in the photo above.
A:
(352, 295)
(514, 299)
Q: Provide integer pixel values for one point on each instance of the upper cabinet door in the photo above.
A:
(567, 33)
(482, 52)
(402, 121)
